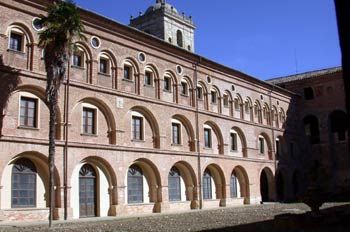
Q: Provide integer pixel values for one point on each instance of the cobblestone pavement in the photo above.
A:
(199, 220)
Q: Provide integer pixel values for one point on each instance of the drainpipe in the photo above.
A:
(197, 136)
(65, 150)
(273, 137)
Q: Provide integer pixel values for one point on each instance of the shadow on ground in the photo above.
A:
(334, 219)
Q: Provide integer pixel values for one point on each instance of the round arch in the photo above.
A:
(267, 185)
(243, 180)
(111, 55)
(269, 144)
(40, 93)
(218, 134)
(219, 180)
(107, 112)
(23, 27)
(243, 140)
(133, 62)
(152, 121)
(189, 129)
(41, 163)
(190, 179)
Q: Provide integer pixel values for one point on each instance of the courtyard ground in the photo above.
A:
(267, 217)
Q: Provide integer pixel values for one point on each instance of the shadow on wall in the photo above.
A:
(330, 219)
(9, 80)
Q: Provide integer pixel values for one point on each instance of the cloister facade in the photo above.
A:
(143, 126)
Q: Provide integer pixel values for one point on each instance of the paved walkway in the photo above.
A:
(244, 218)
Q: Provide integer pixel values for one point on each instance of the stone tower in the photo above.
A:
(163, 21)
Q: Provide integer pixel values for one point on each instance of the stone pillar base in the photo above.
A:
(194, 204)
(59, 213)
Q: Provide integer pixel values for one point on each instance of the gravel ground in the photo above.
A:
(244, 218)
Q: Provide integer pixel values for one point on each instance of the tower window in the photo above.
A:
(179, 38)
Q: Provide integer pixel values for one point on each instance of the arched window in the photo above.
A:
(233, 185)
(312, 129)
(207, 194)
(87, 191)
(23, 184)
(135, 185)
(174, 182)
(179, 38)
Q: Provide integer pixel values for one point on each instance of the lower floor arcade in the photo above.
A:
(124, 183)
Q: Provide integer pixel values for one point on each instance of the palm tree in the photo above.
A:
(61, 25)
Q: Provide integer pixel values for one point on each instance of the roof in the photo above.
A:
(303, 76)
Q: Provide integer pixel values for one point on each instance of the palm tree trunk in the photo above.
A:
(52, 151)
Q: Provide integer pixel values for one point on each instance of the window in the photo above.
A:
(78, 59)
(207, 137)
(308, 93)
(104, 65)
(137, 128)
(176, 133)
(184, 88)
(179, 38)
(261, 145)
(127, 72)
(167, 83)
(247, 107)
(135, 185)
(233, 137)
(213, 96)
(28, 112)
(23, 189)
(237, 107)
(225, 98)
(89, 121)
(148, 78)
(207, 193)
(199, 92)
(16, 41)
(95, 42)
(233, 185)
(174, 184)
(311, 128)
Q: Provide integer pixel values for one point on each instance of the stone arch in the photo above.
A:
(190, 179)
(227, 102)
(151, 119)
(219, 181)
(238, 106)
(281, 148)
(108, 114)
(24, 43)
(23, 27)
(40, 93)
(243, 140)
(243, 181)
(266, 114)
(174, 85)
(205, 94)
(269, 144)
(105, 190)
(189, 129)
(134, 64)
(153, 178)
(282, 118)
(281, 180)
(156, 78)
(40, 161)
(267, 185)
(274, 117)
(86, 49)
(112, 57)
(218, 134)
(257, 112)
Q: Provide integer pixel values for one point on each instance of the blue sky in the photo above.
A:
(263, 38)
